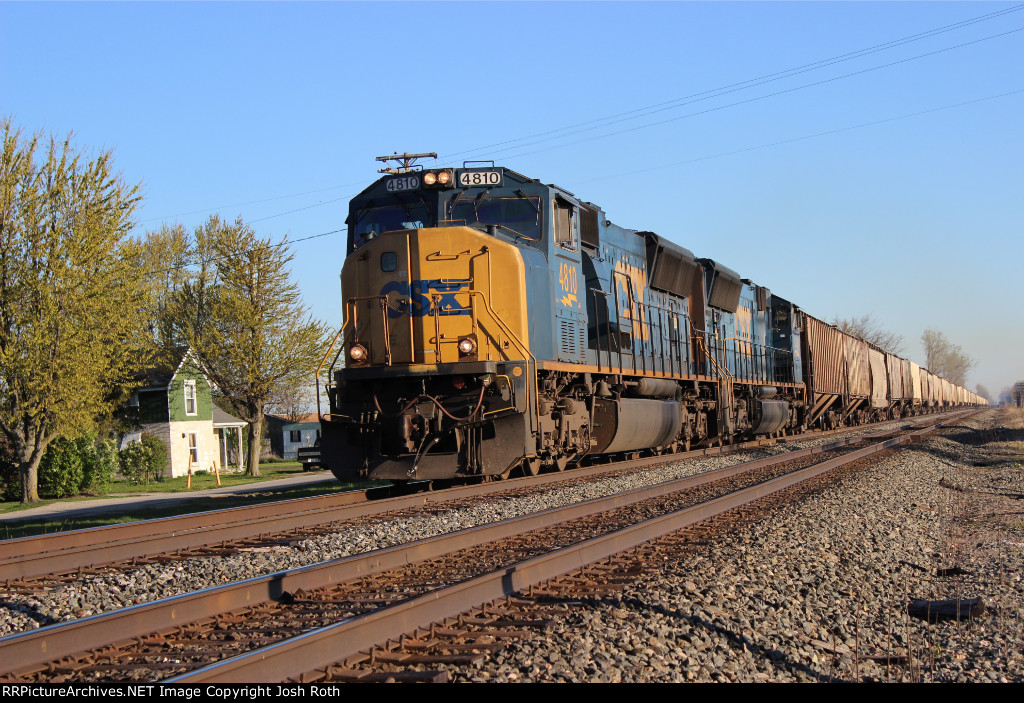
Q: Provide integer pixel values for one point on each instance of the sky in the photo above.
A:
(854, 158)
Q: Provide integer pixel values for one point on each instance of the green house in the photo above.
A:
(175, 404)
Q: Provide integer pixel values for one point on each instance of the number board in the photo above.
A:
(403, 183)
(479, 178)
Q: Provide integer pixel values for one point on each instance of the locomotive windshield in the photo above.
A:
(373, 221)
(518, 214)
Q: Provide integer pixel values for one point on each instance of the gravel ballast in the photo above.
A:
(112, 589)
(789, 598)
(796, 596)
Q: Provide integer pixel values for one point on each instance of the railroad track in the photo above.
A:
(217, 533)
(389, 593)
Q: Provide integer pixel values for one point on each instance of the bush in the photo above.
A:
(158, 462)
(99, 462)
(142, 462)
(133, 460)
(60, 471)
(10, 478)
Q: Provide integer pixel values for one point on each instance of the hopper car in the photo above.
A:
(496, 324)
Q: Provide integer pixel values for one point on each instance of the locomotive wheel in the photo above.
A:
(561, 462)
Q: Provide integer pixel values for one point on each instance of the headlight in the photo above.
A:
(445, 178)
(467, 346)
(357, 353)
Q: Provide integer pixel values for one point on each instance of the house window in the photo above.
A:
(190, 398)
(295, 436)
(193, 447)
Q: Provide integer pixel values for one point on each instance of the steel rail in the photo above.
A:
(66, 552)
(28, 649)
(323, 647)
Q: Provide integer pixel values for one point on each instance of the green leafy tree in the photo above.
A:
(167, 256)
(244, 318)
(61, 471)
(71, 328)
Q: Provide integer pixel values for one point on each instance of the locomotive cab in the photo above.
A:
(436, 347)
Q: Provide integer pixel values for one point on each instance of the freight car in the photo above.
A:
(494, 323)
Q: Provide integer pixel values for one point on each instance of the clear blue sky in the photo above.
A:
(275, 112)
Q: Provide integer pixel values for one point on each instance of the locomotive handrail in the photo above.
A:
(707, 352)
(316, 376)
(515, 339)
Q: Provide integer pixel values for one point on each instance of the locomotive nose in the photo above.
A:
(433, 296)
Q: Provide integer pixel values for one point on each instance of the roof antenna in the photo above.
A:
(407, 162)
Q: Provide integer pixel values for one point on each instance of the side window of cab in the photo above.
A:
(565, 224)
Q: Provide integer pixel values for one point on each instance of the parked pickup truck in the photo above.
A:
(310, 457)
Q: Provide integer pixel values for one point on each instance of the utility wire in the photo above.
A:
(754, 99)
(742, 85)
(655, 108)
(252, 202)
(713, 109)
(805, 137)
(192, 261)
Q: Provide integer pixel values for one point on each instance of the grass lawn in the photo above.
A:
(269, 471)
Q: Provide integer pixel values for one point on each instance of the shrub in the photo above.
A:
(99, 462)
(157, 455)
(60, 471)
(142, 462)
(10, 478)
(134, 464)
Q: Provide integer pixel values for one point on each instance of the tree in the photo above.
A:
(871, 330)
(946, 359)
(983, 392)
(167, 255)
(293, 402)
(71, 330)
(244, 319)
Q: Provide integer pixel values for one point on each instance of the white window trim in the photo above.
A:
(195, 400)
(193, 447)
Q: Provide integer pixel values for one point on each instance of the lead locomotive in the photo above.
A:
(494, 323)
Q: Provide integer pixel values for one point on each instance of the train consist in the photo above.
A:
(494, 323)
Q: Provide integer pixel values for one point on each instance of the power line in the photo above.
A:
(756, 99)
(647, 111)
(804, 137)
(750, 83)
(252, 202)
(192, 262)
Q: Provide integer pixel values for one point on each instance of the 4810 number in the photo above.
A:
(480, 178)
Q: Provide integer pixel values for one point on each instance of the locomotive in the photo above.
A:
(494, 324)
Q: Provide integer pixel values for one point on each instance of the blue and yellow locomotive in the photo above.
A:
(494, 323)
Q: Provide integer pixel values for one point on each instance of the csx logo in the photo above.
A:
(421, 297)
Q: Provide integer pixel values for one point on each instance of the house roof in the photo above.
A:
(223, 419)
(161, 375)
(296, 419)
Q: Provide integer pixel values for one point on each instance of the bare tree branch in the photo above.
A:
(871, 330)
